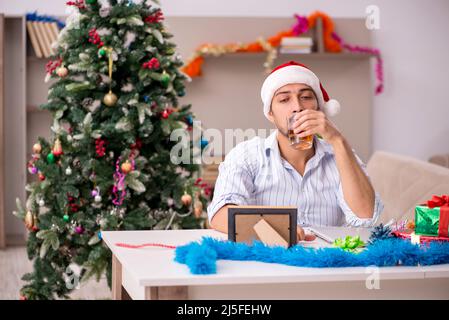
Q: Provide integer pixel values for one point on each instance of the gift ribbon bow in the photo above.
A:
(437, 201)
(443, 203)
(351, 244)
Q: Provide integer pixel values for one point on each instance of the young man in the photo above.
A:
(327, 182)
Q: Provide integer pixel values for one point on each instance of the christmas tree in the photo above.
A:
(108, 165)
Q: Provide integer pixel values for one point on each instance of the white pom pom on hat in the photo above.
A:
(294, 72)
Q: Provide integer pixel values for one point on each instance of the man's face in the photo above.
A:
(288, 99)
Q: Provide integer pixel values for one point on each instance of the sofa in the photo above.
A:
(440, 159)
(404, 182)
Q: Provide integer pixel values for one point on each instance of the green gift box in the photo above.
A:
(432, 219)
(427, 220)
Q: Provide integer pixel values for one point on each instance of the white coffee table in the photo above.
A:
(152, 273)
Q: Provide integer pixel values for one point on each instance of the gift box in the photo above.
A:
(432, 218)
(412, 236)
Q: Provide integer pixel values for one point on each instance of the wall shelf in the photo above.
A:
(291, 56)
(346, 76)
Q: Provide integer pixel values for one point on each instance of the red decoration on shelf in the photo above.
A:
(332, 43)
(51, 65)
(373, 51)
(155, 18)
(95, 38)
(100, 147)
(153, 63)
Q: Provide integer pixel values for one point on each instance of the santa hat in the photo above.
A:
(294, 72)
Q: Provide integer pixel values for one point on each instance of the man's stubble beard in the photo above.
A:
(283, 131)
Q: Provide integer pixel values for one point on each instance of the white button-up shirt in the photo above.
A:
(254, 173)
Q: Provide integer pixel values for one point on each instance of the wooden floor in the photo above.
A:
(14, 263)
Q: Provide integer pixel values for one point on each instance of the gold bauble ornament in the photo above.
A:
(29, 220)
(37, 148)
(62, 72)
(110, 99)
(186, 199)
(126, 167)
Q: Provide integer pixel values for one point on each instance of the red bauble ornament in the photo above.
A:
(57, 148)
(165, 114)
(41, 176)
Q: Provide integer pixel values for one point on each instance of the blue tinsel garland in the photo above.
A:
(201, 257)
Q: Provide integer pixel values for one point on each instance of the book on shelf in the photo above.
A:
(296, 41)
(42, 36)
(296, 45)
(293, 51)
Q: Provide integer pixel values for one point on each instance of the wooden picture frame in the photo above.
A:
(2, 128)
(271, 225)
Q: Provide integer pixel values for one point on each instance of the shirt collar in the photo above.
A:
(271, 142)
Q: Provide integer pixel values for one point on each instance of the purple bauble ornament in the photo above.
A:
(79, 230)
(33, 170)
(94, 193)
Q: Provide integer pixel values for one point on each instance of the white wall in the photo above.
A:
(411, 117)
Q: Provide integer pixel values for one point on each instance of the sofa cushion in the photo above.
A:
(403, 182)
